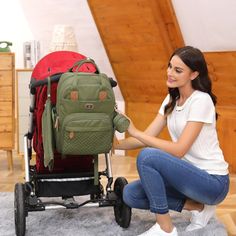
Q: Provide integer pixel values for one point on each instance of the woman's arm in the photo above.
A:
(179, 148)
(154, 129)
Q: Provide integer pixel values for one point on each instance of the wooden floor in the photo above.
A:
(121, 166)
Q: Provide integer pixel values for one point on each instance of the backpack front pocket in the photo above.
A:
(86, 133)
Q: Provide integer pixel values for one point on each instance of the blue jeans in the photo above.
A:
(166, 182)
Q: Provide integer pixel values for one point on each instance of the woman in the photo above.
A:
(188, 172)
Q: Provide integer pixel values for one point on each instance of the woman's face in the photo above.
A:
(179, 75)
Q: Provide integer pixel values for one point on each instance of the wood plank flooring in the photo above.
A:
(121, 166)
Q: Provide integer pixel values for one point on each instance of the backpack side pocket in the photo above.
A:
(121, 123)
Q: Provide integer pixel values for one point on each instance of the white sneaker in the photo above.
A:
(201, 219)
(156, 230)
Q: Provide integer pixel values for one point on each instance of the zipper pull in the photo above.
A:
(56, 126)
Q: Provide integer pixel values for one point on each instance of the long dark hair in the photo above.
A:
(194, 59)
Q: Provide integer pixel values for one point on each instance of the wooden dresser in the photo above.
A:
(7, 104)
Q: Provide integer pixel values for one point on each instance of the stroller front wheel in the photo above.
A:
(121, 210)
(19, 209)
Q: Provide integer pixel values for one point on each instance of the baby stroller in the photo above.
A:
(70, 175)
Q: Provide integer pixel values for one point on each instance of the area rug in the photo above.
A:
(92, 221)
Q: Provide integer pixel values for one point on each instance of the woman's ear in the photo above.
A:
(194, 75)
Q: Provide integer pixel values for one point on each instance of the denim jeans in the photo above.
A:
(166, 182)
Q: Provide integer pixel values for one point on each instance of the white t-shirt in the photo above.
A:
(205, 152)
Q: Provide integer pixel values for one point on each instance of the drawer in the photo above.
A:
(5, 93)
(6, 140)
(6, 124)
(6, 61)
(6, 109)
(6, 78)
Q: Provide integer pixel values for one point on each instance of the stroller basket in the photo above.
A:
(55, 185)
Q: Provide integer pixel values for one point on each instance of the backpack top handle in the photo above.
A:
(78, 64)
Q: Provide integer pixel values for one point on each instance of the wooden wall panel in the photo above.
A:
(222, 69)
(142, 115)
(226, 126)
(139, 36)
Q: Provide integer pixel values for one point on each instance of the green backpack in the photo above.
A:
(84, 118)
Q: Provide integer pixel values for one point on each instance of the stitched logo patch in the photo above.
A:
(74, 95)
(102, 95)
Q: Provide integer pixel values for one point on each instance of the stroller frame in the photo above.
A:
(28, 195)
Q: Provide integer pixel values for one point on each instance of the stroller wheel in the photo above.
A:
(121, 210)
(19, 209)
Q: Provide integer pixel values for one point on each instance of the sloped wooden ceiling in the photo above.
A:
(139, 37)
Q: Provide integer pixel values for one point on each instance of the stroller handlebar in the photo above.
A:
(36, 83)
(55, 78)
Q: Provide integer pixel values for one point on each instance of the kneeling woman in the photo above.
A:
(188, 172)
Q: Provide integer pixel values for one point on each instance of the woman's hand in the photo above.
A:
(132, 130)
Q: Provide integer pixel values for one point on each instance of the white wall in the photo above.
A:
(207, 24)
(14, 27)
